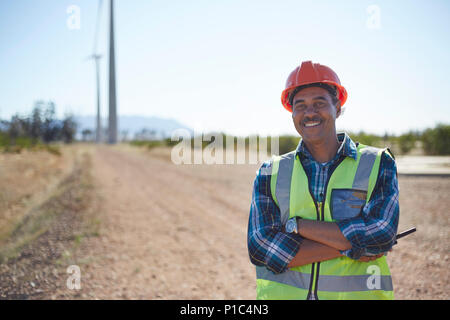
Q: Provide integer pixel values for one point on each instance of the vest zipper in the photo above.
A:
(313, 266)
(312, 290)
(322, 216)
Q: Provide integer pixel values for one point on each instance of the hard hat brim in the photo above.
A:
(342, 93)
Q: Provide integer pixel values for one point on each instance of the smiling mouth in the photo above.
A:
(309, 124)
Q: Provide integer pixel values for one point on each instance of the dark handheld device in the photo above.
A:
(404, 233)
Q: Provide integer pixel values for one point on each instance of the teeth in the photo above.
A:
(312, 124)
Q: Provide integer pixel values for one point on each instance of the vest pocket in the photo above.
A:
(347, 203)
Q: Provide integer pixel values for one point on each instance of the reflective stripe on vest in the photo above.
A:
(326, 282)
(340, 278)
(368, 156)
(283, 185)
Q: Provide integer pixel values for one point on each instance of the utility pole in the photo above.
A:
(112, 128)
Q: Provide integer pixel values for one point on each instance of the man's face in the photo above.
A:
(314, 114)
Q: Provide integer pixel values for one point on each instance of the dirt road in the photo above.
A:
(170, 232)
(179, 232)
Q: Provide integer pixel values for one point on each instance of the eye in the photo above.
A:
(300, 107)
(319, 105)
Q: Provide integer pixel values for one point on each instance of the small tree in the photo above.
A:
(50, 127)
(16, 128)
(68, 130)
(36, 122)
(86, 135)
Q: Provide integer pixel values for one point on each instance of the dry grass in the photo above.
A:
(26, 180)
(47, 237)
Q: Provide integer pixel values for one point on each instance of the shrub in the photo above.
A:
(406, 142)
(437, 141)
(4, 140)
(367, 139)
(288, 143)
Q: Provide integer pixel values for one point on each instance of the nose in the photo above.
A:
(310, 110)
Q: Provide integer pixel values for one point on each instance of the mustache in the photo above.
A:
(311, 119)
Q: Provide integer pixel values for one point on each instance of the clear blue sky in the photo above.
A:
(221, 65)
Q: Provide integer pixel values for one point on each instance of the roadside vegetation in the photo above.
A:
(432, 141)
(37, 248)
(72, 196)
(40, 130)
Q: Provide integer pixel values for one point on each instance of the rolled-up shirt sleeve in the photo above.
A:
(267, 244)
(374, 230)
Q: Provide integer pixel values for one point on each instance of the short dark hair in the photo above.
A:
(331, 89)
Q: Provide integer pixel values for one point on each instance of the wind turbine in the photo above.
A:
(98, 132)
(96, 57)
(112, 120)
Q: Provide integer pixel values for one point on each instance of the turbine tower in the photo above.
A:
(96, 57)
(112, 120)
(98, 132)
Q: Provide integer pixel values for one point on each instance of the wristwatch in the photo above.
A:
(291, 225)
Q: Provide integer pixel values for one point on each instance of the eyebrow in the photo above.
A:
(315, 98)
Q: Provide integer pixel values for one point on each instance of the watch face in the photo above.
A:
(290, 226)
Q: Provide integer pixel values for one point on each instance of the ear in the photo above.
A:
(338, 109)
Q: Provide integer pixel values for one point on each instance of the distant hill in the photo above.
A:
(135, 126)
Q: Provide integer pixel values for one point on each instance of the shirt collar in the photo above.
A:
(347, 148)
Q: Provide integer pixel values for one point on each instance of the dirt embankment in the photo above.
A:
(46, 238)
(179, 232)
(26, 180)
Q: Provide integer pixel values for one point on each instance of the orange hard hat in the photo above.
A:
(309, 73)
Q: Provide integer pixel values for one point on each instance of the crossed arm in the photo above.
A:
(323, 241)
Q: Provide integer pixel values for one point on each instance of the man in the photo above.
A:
(323, 216)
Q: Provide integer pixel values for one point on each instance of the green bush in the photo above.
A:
(406, 142)
(4, 140)
(138, 143)
(367, 139)
(288, 143)
(154, 143)
(148, 143)
(437, 141)
(168, 142)
(16, 145)
(24, 142)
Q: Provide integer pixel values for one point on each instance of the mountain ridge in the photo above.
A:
(134, 126)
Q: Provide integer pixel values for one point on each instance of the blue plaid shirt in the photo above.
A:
(372, 232)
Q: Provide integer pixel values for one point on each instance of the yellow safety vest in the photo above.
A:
(348, 189)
